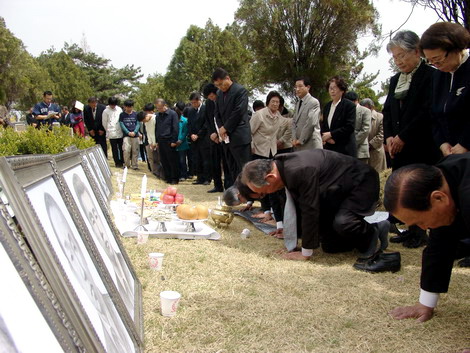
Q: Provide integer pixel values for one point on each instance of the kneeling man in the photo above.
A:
(436, 198)
(331, 193)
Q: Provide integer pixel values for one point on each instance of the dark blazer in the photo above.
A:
(231, 112)
(410, 119)
(342, 127)
(197, 122)
(445, 243)
(96, 123)
(451, 106)
(322, 181)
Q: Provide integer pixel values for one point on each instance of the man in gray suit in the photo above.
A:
(361, 128)
(306, 121)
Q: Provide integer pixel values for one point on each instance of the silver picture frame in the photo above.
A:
(31, 317)
(92, 158)
(64, 248)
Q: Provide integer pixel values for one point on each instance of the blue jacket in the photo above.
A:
(183, 134)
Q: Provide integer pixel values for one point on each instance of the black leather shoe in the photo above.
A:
(400, 238)
(465, 262)
(215, 190)
(394, 229)
(381, 262)
(416, 239)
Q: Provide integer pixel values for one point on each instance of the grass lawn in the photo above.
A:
(238, 296)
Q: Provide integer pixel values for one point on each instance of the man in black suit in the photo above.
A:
(199, 137)
(332, 194)
(232, 125)
(93, 116)
(435, 198)
(217, 158)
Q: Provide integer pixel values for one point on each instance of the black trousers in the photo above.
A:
(236, 157)
(101, 140)
(116, 148)
(170, 161)
(218, 163)
(200, 150)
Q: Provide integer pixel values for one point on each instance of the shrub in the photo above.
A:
(40, 141)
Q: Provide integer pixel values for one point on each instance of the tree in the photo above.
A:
(22, 80)
(147, 92)
(363, 87)
(317, 38)
(105, 79)
(457, 11)
(69, 82)
(201, 51)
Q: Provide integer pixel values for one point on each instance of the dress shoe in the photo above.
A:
(394, 229)
(417, 238)
(215, 190)
(401, 237)
(465, 262)
(381, 262)
(206, 183)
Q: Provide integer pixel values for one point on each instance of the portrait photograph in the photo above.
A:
(103, 237)
(23, 327)
(103, 160)
(97, 176)
(78, 266)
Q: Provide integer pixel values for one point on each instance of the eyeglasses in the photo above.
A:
(438, 61)
(400, 57)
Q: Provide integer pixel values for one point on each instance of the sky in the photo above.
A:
(146, 33)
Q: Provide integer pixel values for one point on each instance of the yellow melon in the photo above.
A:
(202, 212)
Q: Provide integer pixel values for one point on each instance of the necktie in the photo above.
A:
(290, 223)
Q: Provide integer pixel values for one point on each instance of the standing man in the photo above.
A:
(152, 150)
(231, 122)
(65, 116)
(46, 112)
(361, 127)
(131, 130)
(435, 198)
(199, 137)
(306, 121)
(166, 136)
(217, 158)
(376, 137)
(93, 116)
(113, 130)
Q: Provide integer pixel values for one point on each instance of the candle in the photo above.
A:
(143, 190)
(124, 175)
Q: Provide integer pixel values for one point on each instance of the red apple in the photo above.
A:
(171, 190)
(179, 198)
(168, 199)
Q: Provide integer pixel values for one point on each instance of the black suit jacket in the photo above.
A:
(410, 119)
(96, 123)
(342, 127)
(231, 112)
(446, 243)
(322, 181)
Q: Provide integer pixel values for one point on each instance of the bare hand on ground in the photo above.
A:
(295, 255)
(418, 311)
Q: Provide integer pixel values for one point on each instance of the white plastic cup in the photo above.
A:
(142, 238)
(156, 261)
(169, 302)
(245, 233)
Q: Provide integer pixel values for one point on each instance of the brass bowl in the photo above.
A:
(222, 215)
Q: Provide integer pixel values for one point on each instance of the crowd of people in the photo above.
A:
(315, 170)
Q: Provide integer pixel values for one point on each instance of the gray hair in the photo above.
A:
(367, 102)
(160, 101)
(407, 40)
(255, 172)
(230, 196)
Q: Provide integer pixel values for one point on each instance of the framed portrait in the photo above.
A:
(31, 318)
(97, 220)
(91, 164)
(19, 127)
(64, 249)
(102, 160)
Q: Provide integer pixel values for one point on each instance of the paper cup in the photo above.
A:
(156, 260)
(169, 301)
(142, 238)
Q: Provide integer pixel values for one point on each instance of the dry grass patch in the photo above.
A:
(239, 297)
